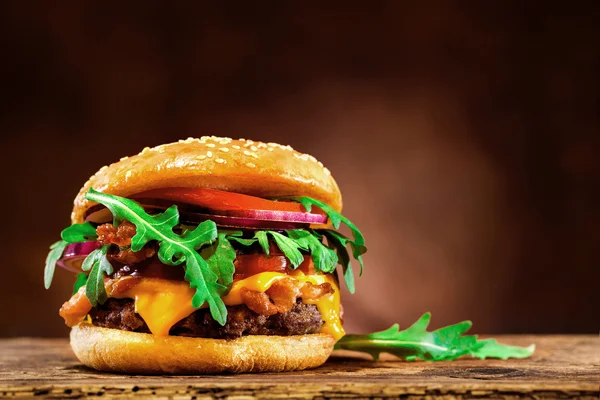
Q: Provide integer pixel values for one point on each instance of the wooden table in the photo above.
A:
(562, 367)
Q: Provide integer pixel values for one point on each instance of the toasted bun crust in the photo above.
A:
(242, 166)
(141, 353)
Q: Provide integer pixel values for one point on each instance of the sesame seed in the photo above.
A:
(220, 161)
(271, 144)
(201, 157)
(128, 174)
(124, 158)
(247, 144)
(327, 172)
(253, 148)
(224, 149)
(297, 155)
(235, 146)
(247, 153)
(209, 154)
(319, 163)
(251, 165)
(242, 139)
(262, 145)
(270, 149)
(210, 145)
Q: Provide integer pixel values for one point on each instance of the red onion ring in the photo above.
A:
(254, 219)
(74, 255)
(246, 223)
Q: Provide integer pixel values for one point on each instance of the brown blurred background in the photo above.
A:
(464, 136)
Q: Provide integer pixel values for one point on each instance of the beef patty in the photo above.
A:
(302, 319)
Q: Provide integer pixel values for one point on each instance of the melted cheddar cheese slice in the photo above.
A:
(163, 303)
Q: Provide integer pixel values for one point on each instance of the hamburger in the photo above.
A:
(204, 256)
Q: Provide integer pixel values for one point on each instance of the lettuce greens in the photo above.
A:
(205, 253)
(73, 234)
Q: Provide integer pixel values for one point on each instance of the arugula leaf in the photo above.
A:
(72, 234)
(56, 251)
(342, 241)
(242, 241)
(173, 249)
(492, 349)
(79, 233)
(289, 247)
(263, 240)
(444, 344)
(336, 240)
(335, 217)
(325, 258)
(80, 281)
(221, 260)
(97, 263)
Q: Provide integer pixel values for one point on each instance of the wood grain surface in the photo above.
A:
(562, 367)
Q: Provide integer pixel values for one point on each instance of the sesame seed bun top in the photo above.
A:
(241, 166)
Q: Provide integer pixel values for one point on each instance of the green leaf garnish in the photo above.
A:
(221, 260)
(444, 344)
(335, 217)
(73, 234)
(80, 281)
(173, 249)
(79, 233)
(263, 240)
(98, 265)
(338, 242)
(492, 349)
(325, 259)
(56, 251)
(289, 247)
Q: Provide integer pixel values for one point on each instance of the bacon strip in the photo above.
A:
(78, 306)
(282, 296)
(121, 235)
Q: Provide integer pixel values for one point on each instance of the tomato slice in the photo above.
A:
(219, 200)
(251, 264)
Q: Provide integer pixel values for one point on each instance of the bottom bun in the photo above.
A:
(141, 353)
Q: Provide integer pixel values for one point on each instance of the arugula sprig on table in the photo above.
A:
(444, 344)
